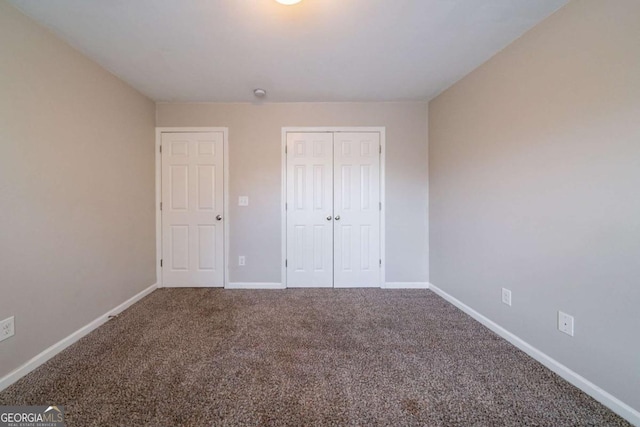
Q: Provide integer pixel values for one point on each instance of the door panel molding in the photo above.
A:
(310, 209)
(356, 203)
(203, 203)
(382, 238)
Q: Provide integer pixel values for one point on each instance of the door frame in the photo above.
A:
(225, 195)
(283, 212)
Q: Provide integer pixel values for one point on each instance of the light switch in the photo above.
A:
(243, 201)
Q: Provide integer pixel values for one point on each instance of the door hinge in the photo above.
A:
(380, 263)
(380, 149)
(380, 204)
(160, 263)
(161, 148)
(286, 263)
(285, 149)
(286, 206)
(160, 205)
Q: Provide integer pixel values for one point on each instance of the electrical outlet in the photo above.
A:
(243, 201)
(506, 296)
(7, 328)
(241, 260)
(565, 323)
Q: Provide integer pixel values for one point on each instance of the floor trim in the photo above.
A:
(56, 348)
(191, 286)
(374, 286)
(406, 285)
(607, 399)
(254, 285)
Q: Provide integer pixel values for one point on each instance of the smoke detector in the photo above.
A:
(259, 93)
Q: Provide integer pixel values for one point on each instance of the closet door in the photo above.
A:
(192, 208)
(357, 209)
(309, 209)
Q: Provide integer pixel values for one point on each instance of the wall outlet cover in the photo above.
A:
(243, 201)
(565, 323)
(506, 296)
(242, 260)
(7, 328)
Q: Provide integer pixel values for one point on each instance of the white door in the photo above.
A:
(357, 209)
(309, 190)
(333, 209)
(192, 208)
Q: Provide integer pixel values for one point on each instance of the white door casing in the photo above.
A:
(357, 209)
(309, 209)
(192, 212)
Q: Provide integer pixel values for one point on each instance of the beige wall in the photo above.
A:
(76, 189)
(535, 186)
(255, 157)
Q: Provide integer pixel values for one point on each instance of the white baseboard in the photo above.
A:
(608, 400)
(406, 285)
(372, 286)
(254, 285)
(189, 286)
(56, 348)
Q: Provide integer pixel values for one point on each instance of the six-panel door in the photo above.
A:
(192, 209)
(356, 209)
(309, 209)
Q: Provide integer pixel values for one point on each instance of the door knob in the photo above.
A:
(338, 218)
(219, 217)
(329, 218)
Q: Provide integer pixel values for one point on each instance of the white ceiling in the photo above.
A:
(318, 50)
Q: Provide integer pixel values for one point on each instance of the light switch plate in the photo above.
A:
(243, 201)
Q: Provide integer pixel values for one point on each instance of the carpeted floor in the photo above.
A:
(199, 357)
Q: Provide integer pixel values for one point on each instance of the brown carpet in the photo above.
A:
(198, 357)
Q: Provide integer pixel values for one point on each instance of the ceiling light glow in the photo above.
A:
(288, 2)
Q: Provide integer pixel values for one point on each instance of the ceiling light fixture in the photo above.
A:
(288, 2)
(259, 93)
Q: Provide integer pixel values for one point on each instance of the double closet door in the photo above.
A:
(333, 209)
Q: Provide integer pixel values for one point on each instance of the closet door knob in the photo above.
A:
(329, 218)
(219, 217)
(338, 218)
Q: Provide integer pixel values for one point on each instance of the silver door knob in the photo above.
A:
(329, 218)
(338, 218)
(219, 217)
